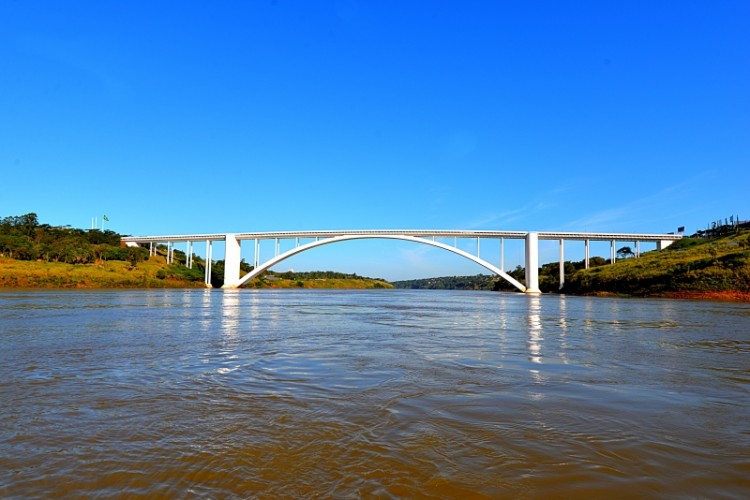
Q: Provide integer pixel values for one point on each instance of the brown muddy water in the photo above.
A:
(385, 393)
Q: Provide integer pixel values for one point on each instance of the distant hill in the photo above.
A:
(316, 279)
(477, 282)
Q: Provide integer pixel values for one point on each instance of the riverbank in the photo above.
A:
(692, 268)
(102, 274)
(152, 273)
(725, 296)
(720, 296)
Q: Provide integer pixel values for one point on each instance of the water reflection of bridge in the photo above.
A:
(306, 240)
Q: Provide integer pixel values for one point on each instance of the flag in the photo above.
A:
(104, 217)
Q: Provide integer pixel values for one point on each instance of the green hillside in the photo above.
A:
(715, 267)
(150, 273)
(39, 255)
(691, 266)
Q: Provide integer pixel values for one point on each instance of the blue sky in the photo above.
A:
(192, 117)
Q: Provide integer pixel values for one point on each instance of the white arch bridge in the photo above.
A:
(306, 240)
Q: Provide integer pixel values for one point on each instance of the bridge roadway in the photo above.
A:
(232, 241)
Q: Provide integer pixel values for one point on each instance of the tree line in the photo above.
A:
(313, 275)
(549, 277)
(23, 237)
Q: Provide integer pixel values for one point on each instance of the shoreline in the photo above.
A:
(723, 296)
(717, 296)
(720, 296)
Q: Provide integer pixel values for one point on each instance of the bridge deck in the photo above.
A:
(232, 257)
(424, 233)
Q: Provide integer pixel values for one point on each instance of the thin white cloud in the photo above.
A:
(644, 211)
(506, 219)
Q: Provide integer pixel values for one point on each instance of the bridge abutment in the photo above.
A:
(662, 244)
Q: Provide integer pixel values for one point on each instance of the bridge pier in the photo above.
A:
(209, 260)
(587, 252)
(532, 263)
(562, 264)
(231, 261)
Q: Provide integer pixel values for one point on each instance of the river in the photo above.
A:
(382, 393)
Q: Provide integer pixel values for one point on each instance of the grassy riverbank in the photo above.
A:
(152, 273)
(717, 268)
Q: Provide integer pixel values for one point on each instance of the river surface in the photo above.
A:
(384, 393)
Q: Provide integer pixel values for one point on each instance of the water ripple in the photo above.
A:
(388, 393)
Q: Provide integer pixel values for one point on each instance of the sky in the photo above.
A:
(204, 117)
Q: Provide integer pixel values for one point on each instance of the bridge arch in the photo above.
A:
(336, 239)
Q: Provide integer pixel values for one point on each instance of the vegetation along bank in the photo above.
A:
(39, 255)
(710, 264)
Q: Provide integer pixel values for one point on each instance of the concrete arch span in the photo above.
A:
(336, 239)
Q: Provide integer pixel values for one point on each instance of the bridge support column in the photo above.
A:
(532, 263)
(587, 251)
(502, 254)
(209, 257)
(231, 261)
(562, 264)
(256, 258)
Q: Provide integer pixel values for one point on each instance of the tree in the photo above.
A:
(625, 252)
(136, 255)
(29, 222)
(17, 247)
(245, 267)
(217, 273)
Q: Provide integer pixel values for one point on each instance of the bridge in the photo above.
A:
(307, 240)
